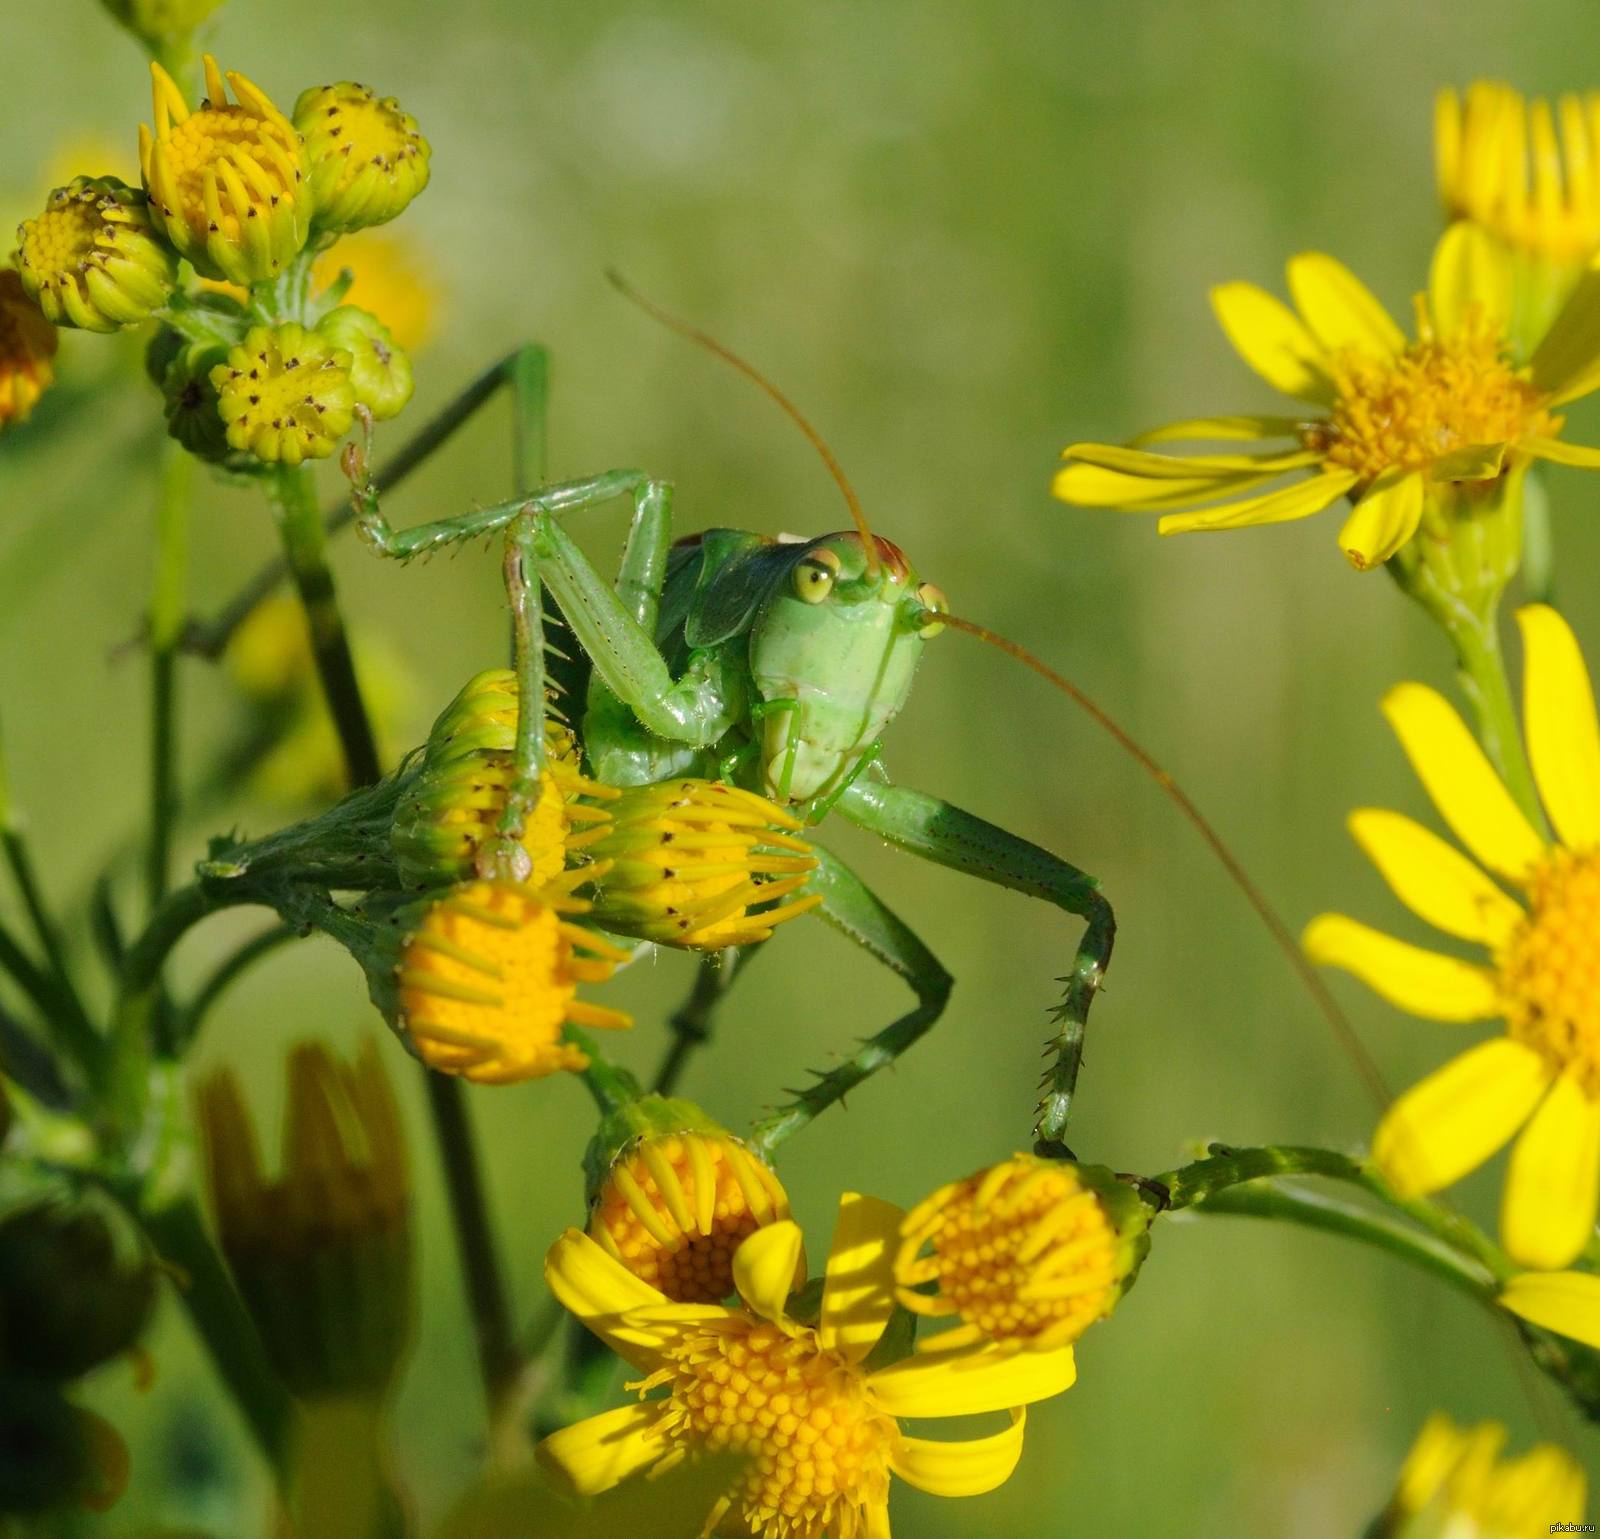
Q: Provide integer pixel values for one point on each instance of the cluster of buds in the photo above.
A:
(255, 370)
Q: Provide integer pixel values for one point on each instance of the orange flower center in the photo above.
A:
(1023, 1252)
(674, 1210)
(1441, 394)
(818, 1445)
(1550, 966)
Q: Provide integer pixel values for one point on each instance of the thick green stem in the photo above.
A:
(166, 630)
(610, 1085)
(1224, 1168)
(305, 546)
(1483, 681)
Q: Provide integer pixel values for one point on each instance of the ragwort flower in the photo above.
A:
(1028, 1253)
(367, 157)
(1403, 429)
(1456, 1485)
(27, 344)
(1541, 974)
(285, 394)
(819, 1428)
(490, 976)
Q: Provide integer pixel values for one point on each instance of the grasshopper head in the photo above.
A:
(841, 641)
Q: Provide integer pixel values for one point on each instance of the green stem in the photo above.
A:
(609, 1084)
(1483, 681)
(166, 630)
(1195, 1183)
(305, 546)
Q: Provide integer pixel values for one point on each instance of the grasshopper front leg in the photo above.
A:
(926, 826)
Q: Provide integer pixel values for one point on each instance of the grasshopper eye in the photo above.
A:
(933, 602)
(814, 576)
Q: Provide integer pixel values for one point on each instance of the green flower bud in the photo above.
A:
(193, 416)
(367, 158)
(380, 372)
(483, 715)
(285, 394)
(92, 259)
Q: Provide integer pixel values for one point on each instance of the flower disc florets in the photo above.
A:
(818, 1446)
(690, 859)
(1029, 1253)
(490, 976)
(675, 1207)
(368, 160)
(27, 344)
(285, 394)
(92, 259)
(227, 182)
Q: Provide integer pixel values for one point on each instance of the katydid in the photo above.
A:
(777, 665)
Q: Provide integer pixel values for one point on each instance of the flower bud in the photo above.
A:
(161, 24)
(285, 395)
(193, 410)
(366, 156)
(322, 1255)
(678, 1196)
(691, 860)
(92, 260)
(227, 182)
(27, 344)
(489, 976)
(1028, 1253)
(380, 373)
(483, 715)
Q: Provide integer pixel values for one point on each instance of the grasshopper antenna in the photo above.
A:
(868, 543)
(1344, 1033)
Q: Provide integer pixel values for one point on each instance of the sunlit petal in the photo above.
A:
(1425, 983)
(1339, 308)
(1092, 486)
(1199, 429)
(600, 1292)
(1273, 340)
(968, 1384)
(1470, 279)
(1291, 502)
(1559, 716)
(593, 1455)
(858, 1294)
(1385, 518)
(1567, 1303)
(764, 1267)
(960, 1469)
(1547, 1216)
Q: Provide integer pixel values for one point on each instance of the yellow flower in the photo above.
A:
(1565, 1302)
(690, 859)
(1529, 170)
(392, 278)
(1541, 975)
(285, 394)
(821, 1430)
(332, 1233)
(675, 1206)
(27, 344)
(367, 158)
(1029, 1253)
(1398, 427)
(490, 976)
(91, 258)
(1455, 1485)
(227, 182)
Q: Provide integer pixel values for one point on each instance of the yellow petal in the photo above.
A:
(858, 1295)
(1567, 1303)
(1092, 486)
(592, 1456)
(1339, 308)
(1563, 364)
(1385, 518)
(1272, 339)
(960, 1469)
(1458, 1116)
(1424, 983)
(1559, 717)
(1298, 501)
(1434, 881)
(764, 1267)
(1470, 278)
(1559, 452)
(1177, 467)
(1547, 1215)
(1463, 785)
(600, 1292)
(970, 1383)
(1198, 428)
(878, 1521)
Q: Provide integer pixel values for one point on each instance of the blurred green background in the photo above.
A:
(961, 234)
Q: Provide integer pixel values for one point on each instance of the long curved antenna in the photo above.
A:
(1344, 1033)
(868, 543)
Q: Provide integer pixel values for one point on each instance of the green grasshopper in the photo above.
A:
(778, 666)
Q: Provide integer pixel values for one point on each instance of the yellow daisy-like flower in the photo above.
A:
(1398, 427)
(820, 1430)
(490, 976)
(27, 344)
(1456, 1485)
(1028, 1253)
(227, 182)
(1541, 975)
(690, 859)
(675, 1207)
